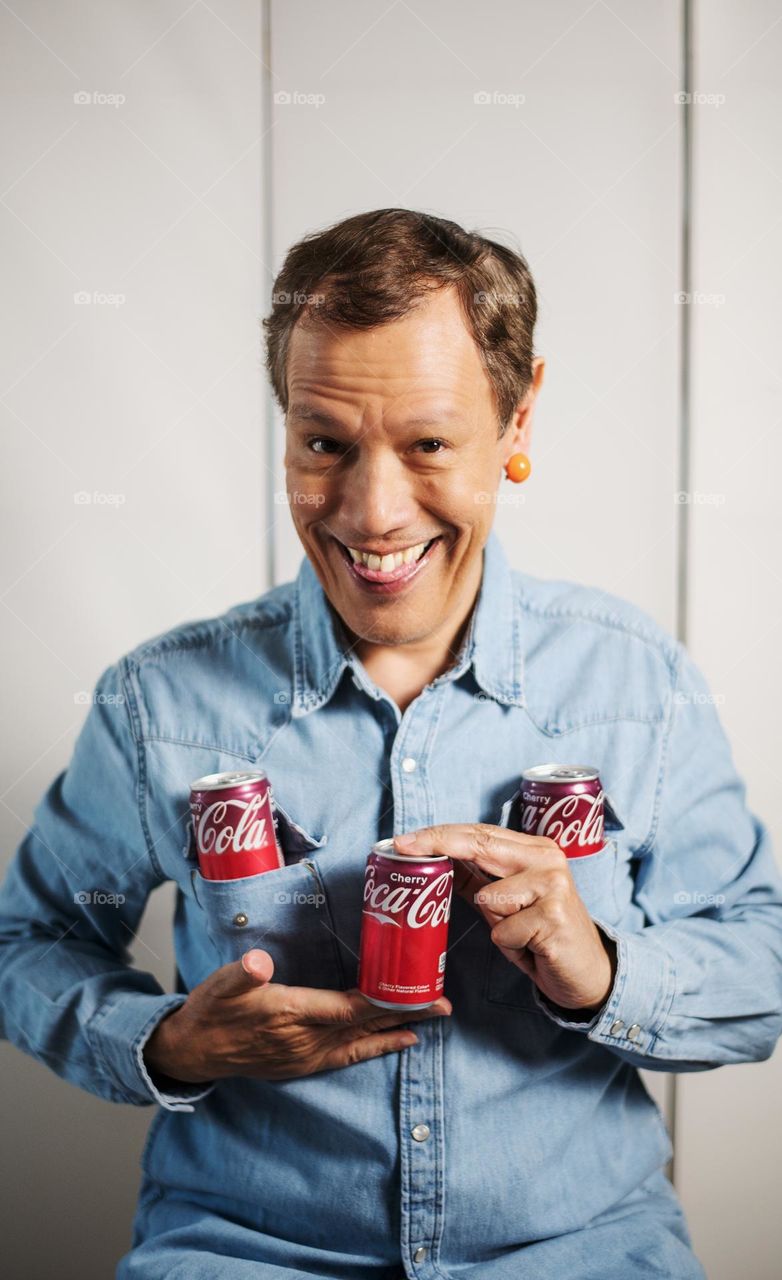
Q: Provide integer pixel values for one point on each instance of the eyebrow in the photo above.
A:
(308, 413)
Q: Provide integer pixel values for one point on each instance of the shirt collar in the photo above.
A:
(492, 644)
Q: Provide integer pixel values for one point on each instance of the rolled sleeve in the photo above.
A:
(119, 1032)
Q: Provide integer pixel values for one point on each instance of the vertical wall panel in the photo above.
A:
(729, 1121)
(132, 458)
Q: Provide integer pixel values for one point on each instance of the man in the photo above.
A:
(301, 1131)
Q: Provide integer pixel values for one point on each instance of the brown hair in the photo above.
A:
(374, 267)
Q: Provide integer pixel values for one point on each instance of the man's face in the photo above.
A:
(364, 477)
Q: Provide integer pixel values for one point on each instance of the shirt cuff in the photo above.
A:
(639, 1001)
(119, 1031)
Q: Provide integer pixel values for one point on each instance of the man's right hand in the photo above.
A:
(239, 1023)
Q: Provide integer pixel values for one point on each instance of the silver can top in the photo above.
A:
(386, 848)
(560, 773)
(219, 781)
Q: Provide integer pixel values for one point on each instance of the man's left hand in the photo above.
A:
(537, 917)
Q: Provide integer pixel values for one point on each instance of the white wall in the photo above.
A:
(159, 401)
(729, 1121)
(162, 400)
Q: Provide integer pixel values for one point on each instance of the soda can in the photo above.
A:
(233, 825)
(404, 928)
(565, 803)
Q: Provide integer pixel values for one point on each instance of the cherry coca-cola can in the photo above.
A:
(233, 825)
(565, 803)
(404, 928)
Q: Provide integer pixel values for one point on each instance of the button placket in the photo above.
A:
(420, 1101)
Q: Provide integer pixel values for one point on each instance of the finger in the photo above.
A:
(523, 929)
(468, 879)
(506, 897)
(494, 850)
(352, 1008)
(373, 1046)
(254, 970)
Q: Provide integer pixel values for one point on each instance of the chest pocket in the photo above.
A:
(600, 880)
(285, 912)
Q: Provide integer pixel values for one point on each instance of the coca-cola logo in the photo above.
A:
(575, 819)
(215, 833)
(418, 905)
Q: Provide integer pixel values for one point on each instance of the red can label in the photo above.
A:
(564, 803)
(404, 928)
(233, 825)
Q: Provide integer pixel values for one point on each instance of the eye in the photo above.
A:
(329, 446)
(432, 445)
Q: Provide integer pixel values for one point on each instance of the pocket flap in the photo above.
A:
(613, 822)
(294, 841)
(509, 808)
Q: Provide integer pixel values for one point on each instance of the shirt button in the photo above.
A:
(634, 1032)
(419, 1255)
(409, 764)
(240, 920)
(616, 1027)
(421, 1132)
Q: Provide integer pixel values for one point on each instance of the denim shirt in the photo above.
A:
(535, 1124)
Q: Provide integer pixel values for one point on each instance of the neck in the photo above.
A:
(404, 670)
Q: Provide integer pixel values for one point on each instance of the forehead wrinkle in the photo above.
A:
(309, 413)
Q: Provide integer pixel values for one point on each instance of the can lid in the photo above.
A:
(560, 773)
(386, 848)
(216, 781)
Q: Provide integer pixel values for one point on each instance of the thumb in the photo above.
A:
(252, 972)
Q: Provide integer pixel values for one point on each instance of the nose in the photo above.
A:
(377, 498)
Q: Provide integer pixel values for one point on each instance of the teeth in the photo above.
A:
(387, 563)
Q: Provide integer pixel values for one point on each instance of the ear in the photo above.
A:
(518, 437)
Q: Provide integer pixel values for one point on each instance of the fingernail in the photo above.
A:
(408, 837)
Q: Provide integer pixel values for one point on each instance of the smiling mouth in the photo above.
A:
(392, 570)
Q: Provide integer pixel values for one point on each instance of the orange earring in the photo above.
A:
(518, 467)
